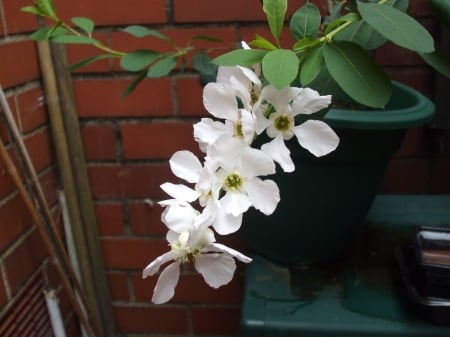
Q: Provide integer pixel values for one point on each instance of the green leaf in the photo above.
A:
(261, 42)
(311, 67)
(201, 62)
(141, 31)
(84, 23)
(206, 38)
(138, 59)
(133, 85)
(439, 61)
(357, 74)
(73, 39)
(362, 33)
(275, 12)
(32, 10)
(305, 22)
(241, 57)
(46, 7)
(305, 43)
(87, 61)
(442, 10)
(162, 67)
(47, 32)
(397, 26)
(280, 67)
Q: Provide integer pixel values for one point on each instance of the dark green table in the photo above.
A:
(362, 296)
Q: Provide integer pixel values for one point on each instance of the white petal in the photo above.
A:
(255, 162)
(207, 131)
(262, 123)
(278, 151)
(185, 165)
(180, 192)
(225, 223)
(154, 266)
(179, 217)
(264, 194)
(248, 126)
(167, 281)
(218, 247)
(280, 99)
(317, 137)
(310, 101)
(220, 100)
(235, 203)
(216, 269)
(250, 74)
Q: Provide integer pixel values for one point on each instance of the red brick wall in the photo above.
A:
(128, 141)
(25, 270)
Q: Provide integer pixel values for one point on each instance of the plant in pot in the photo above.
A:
(274, 108)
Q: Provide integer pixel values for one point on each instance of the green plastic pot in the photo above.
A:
(324, 202)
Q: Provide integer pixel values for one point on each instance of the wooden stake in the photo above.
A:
(52, 251)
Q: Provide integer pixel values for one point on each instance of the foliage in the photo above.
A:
(337, 47)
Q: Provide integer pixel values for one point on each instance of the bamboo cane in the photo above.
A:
(42, 203)
(45, 238)
(82, 187)
(67, 175)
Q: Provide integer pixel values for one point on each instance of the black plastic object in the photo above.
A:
(435, 309)
(432, 251)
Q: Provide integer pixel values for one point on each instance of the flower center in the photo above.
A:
(233, 182)
(282, 123)
(254, 95)
(238, 129)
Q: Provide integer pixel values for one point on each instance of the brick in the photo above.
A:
(28, 255)
(39, 147)
(440, 182)
(99, 142)
(189, 96)
(50, 184)
(419, 78)
(15, 220)
(156, 140)
(118, 286)
(115, 11)
(103, 98)
(159, 320)
(392, 55)
(224, 11)
(19, 61)
(77, 53)
(216, 321)
(6, 183)
(126, 253)
(130, 181)
(146, 219)
(110, 218)
(406, 176)
(31, 109)
(16, 21)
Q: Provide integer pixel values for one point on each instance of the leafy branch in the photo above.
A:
(146, 63)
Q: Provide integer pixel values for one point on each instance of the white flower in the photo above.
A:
(314, 135)
(239, 172)
(215, 262)
(221, 102)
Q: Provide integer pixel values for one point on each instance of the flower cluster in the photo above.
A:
(230, 179)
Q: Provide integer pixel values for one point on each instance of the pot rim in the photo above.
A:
(407, 108)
